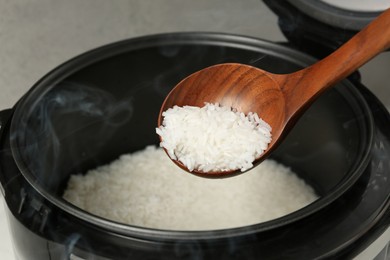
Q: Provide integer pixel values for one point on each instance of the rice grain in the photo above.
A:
(213, 137)
(146, 189)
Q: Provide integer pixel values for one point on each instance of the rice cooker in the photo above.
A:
(319, 27)
(104, 103)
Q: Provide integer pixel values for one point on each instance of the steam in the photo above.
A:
(70, 113)
(70, 98)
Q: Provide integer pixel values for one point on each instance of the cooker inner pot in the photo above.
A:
(105, 103)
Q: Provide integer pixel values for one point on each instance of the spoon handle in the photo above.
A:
(302, 87)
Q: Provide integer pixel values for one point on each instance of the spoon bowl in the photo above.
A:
(232, 85)
(279, 99)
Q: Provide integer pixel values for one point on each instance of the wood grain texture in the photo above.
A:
(278, 99)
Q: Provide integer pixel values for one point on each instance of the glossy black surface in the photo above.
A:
(42, 230)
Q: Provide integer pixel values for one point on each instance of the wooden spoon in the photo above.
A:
(278, 99)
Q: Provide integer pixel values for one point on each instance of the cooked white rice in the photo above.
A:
(213, 137)
(146, 189)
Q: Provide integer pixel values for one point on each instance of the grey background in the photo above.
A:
(38, 35)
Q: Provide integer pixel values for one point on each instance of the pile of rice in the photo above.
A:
(146, 189)
(213, 137)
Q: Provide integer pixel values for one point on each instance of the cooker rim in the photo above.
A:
(100, 53)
